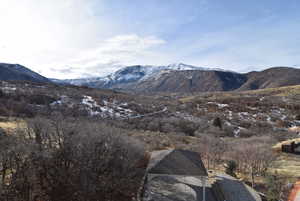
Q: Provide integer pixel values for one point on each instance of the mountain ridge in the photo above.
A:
(181, 78)
(187, 78)
(18, 72)
(134, 73)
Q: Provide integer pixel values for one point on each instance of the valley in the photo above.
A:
(231, 126)
(130, 100)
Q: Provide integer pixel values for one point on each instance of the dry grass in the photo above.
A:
(11, 125)
(278, 146)
(281, 91)
(158, 141)
(287, 165)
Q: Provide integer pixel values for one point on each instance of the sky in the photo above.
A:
(87, 38)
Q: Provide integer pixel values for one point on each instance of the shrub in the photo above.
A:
(275, 186)
(63, 159)
(40, 99)
(231, 167)
(2, 94)
(217, 122)
(187, 127)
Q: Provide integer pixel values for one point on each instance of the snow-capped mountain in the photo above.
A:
(132, 74)
(170, 78)
(78, 82)
(185, 78)
(182, 66)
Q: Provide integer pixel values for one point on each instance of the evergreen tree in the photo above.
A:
(231, 168)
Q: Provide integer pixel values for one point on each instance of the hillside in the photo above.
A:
(271, 78)
(173, 78)
(18, 72)
(216, 124)
(182, 78)
(191, 81)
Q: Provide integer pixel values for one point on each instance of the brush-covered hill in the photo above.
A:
(16, 72)
(272, 78)
(213, 80)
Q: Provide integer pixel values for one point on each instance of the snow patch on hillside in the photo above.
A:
(136, 73)
(106, 109)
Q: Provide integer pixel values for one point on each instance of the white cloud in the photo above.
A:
(244, 48)
(63, 38)
(36, 33)
(76, 38)
(110, 54)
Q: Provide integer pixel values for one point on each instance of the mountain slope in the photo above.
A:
(131, 76)
(272, 78)
(186, 78)
(191, 81)
(18, 72)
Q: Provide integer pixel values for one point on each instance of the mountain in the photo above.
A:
(128, 74)
(272, 78)
(18, 72)
(130, 77)
(191, 81)
(187, 78)
(77, 82)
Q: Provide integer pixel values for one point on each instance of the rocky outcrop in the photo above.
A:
(179, 175)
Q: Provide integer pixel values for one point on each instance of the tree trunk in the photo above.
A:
(252, 177)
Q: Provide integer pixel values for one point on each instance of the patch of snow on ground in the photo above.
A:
(222, 105)
(59, 102)
(62, 100)
(252, 108)
(185, 116)
(124, 104)
(107, 109)
(296, 122)
(244, 115)
(230, 114)
(283, 117)
(279, 113)
(9, 88)
(237, 131)
(89, 101)
(227, 123)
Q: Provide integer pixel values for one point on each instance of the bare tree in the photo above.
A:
(213, 150)
(61, 159)
(253, 155)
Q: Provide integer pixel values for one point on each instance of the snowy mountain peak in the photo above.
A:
(139, 73)
(182, 66)
(136, 73)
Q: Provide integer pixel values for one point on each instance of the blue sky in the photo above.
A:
(81, 38)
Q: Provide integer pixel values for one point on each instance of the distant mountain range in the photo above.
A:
(186, 78)
(131, 74)
(141, 78)
(171, 78)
